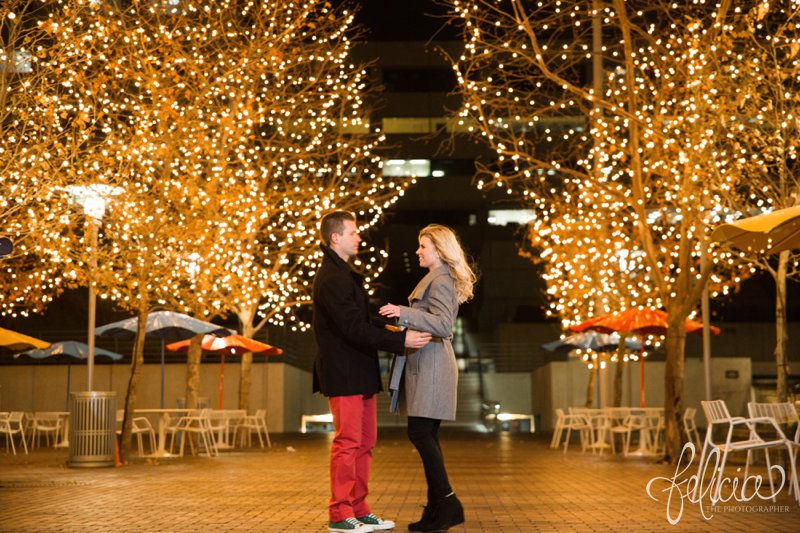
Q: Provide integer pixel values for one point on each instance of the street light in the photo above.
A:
(93, 199)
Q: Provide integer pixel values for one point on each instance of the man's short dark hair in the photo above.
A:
(333, 222)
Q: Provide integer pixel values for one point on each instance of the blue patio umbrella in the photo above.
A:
(590, 340)
(75, 349)
(168, 326)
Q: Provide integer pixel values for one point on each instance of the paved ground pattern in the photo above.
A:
(507, 482)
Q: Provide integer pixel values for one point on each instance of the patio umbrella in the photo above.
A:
(770, 232)
(17, 342)
(644, 321)
(590, 340)
(231, 345)
(164, 325)
(75, 349)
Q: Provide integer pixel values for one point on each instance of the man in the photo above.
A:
(346, 370)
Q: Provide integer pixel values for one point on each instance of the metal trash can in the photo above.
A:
(92, 428)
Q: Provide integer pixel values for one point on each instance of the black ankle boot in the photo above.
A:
(423, 523)
(447, 513)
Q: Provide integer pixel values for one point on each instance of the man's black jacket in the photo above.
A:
(347, 338)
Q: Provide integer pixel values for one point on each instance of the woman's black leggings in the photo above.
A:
(424, 435)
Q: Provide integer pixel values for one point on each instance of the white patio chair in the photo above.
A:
(717, 415)
(690, 426)
(578, 421)
(785, 415)
(617, 421)
(47, 424)
(11, 426)
(654, 426)
(199, 425)
(254, 423)
(558, 430)
(141, 426)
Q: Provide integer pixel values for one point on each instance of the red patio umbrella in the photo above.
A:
(230, 345)
(642, 321)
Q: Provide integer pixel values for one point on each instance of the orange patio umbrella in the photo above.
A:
(230, 345)
(641, 321)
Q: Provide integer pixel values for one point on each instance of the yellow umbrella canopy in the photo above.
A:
(769, 232)
(17, 342)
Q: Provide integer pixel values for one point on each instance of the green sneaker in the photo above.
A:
(349, 525)
(377, 523)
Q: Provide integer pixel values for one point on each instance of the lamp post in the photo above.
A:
(93, 199)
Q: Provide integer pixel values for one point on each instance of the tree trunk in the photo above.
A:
(618, 367)
(618, 383)
(673, 384)
(591, 386)
(245, 377)
(193, 356)
(136, 372)
(781, 334)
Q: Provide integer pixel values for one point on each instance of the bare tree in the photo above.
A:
(658, 133)
(768, 73)
(35, 149)
(229, 130)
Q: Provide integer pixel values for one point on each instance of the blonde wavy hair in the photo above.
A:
(452, 254)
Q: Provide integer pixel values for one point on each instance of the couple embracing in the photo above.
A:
(346, 369)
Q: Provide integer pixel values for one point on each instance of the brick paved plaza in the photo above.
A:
(507, 482)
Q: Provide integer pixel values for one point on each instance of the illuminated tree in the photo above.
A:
(288, 140)
(652, 147)
(769, 74)
(229, 132)
(34, 150)
(592, 267)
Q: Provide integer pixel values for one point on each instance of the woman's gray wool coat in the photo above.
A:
(431, 373)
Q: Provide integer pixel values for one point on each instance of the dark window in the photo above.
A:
(406, 80)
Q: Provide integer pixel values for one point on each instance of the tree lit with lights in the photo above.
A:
(769, 74)
(638, 170)
(230, 128)
(35, 148)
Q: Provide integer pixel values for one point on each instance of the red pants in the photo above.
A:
(355, 420)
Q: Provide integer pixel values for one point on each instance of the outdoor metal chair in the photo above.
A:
(785, 415)
(199, 425)
(254, 423)
(622, 421)
(48, 424)
(717, 415)
(141, 426)
(11, 426)
(558, 430)
(580, 423)
(690, 426)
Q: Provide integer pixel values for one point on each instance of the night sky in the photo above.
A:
(404, 20)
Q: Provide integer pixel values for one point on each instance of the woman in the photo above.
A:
(430, 375)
